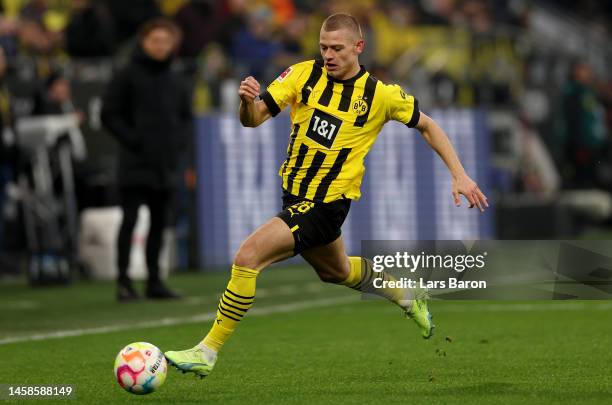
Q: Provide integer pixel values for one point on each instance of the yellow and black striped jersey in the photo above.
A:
(334, 125)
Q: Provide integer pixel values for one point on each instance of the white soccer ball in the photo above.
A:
(140, 368)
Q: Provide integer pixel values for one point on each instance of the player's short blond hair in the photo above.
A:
(340, 20)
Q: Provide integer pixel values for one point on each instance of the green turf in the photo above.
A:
(354, 352)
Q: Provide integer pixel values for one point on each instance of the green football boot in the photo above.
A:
(420, 313)
(191, 361)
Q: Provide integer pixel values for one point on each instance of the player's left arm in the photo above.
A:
(462, 183)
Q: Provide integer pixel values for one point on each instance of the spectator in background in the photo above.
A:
(235, 14)
(7, 143)
(584, 132)
(212, 68)
(254, 46)
(292, 50)
(8, 31)
(200, 23)
(148, 109)
(6, 116)
(55, 98)
(90, 32)
(35, 10)
(283, 10)
(34, 39)
(439, 12)
(495, 69)
(52, 17)
(39, 47)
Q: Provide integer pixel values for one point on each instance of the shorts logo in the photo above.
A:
(284, 74)
(360, 106)
(300, 208)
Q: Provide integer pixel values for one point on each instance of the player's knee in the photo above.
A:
(330, 276)
(246, 256)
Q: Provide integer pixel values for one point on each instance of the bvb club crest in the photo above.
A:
(360, 106)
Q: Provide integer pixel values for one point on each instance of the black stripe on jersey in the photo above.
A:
(313, 79)
(296, 129)
(345, 97)
(368, 97)
(299, 161)
(416, 114)
(327, 93)
(317, 161)
(332, 174)
(270, 103)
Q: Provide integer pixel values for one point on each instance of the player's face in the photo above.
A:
(158, 44)
(340, 51)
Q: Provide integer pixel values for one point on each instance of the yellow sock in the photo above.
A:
(361, 278)
(233, 305)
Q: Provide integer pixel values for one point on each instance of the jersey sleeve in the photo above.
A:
(283, 90)
(402, 107)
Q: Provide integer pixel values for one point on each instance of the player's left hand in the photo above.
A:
(468, 187)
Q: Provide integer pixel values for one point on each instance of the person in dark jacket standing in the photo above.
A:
(147, 108)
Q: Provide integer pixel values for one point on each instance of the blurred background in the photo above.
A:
(522, 87)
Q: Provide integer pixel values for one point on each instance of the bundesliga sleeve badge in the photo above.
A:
(283, 75)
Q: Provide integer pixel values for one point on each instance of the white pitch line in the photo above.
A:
(297, 306)
(262, 311)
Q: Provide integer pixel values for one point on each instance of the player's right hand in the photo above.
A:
(249, 89)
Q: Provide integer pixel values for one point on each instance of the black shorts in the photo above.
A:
(313, 223)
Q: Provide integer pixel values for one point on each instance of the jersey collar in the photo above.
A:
(361, 72)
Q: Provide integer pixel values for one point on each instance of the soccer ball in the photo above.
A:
(140, 368)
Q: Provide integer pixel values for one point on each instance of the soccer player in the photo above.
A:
(337, 111)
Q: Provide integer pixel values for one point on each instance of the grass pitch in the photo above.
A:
(305, 342)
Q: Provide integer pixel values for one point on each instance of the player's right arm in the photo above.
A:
(283, 91)
(252, 113)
